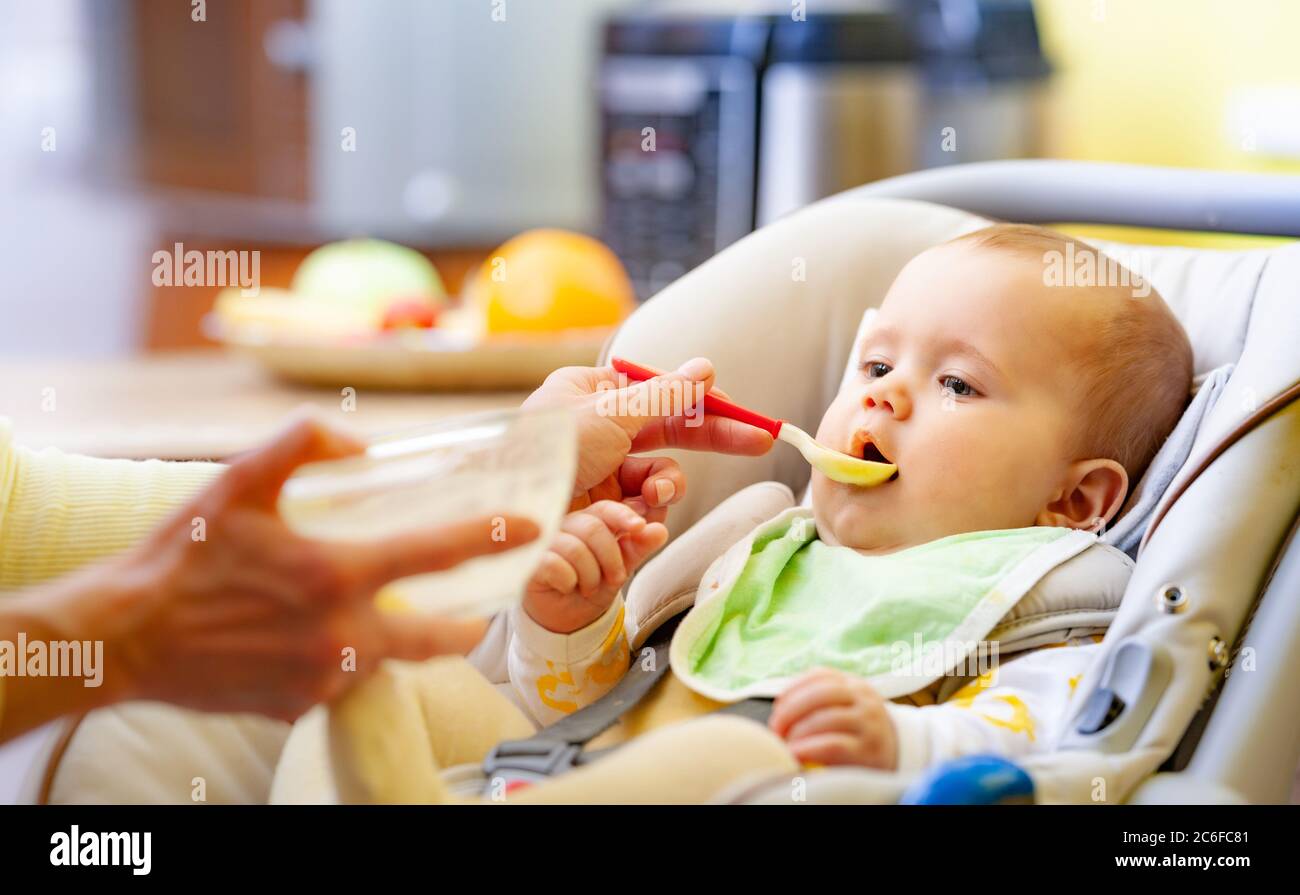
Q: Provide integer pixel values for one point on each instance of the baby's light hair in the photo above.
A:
(1136, 380)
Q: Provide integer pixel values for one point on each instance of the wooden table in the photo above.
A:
(192, 405)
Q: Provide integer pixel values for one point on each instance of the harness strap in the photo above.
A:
(558, 748)
(756, 708)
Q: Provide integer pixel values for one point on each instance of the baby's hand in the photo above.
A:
(580, 575)
(829, 717)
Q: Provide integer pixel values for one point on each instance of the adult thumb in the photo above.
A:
(667, 395)
(258, 475)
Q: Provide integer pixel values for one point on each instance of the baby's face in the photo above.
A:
(965, 382)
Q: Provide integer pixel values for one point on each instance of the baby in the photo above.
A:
(1005, 401)
(1014, 409)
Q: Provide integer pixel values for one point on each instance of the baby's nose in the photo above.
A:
(894, 401)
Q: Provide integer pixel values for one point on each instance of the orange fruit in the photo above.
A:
(550, 280)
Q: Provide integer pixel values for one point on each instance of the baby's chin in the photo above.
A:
(848, 526)
(849, 516)
(845, 517)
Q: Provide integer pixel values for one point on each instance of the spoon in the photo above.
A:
(835, 465)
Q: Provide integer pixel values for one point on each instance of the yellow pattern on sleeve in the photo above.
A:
(547, 684)
(609, 667)
(612, 664)
(1018, 720)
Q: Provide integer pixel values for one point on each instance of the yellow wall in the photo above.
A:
(1153, 81)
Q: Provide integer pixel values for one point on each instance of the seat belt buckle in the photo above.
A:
(529, 761)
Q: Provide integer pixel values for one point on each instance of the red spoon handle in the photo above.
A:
(712, 403)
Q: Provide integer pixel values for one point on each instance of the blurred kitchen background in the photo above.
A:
(453, 125)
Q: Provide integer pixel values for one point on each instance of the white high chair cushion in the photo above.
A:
(1209, 291)
(1078, 597)
(1129, 526)
(667, 584)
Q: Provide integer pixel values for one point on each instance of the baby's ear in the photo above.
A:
(1089, 497)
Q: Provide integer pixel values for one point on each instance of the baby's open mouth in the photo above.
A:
(865, 447)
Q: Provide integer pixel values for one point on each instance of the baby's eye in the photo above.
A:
(957, 386)
(875, 369)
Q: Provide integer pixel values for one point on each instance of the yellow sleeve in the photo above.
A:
(60, 511)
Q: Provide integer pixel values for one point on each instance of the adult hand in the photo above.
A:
(616, 418)
(254, 617)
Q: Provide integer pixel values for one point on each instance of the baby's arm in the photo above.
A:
(828, 717)
(1013, 710)
(568, 647)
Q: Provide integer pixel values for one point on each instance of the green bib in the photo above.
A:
(898, 619)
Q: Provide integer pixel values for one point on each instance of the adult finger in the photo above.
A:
(258, 475)
(570, 382)
(573, 381)
(659, 480)
(601, 378)
(432, 550)
(718, 434)
(671, 394)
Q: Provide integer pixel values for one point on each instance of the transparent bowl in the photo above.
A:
(509, 463)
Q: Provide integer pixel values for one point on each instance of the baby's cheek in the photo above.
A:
(1000, 478)
(959, 465)
(833, 429)
(972, 478)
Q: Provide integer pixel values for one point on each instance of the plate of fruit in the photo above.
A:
(374, 314)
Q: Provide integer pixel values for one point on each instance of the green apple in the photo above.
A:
(368, 274)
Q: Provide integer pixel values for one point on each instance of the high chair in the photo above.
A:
(1194, 695)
